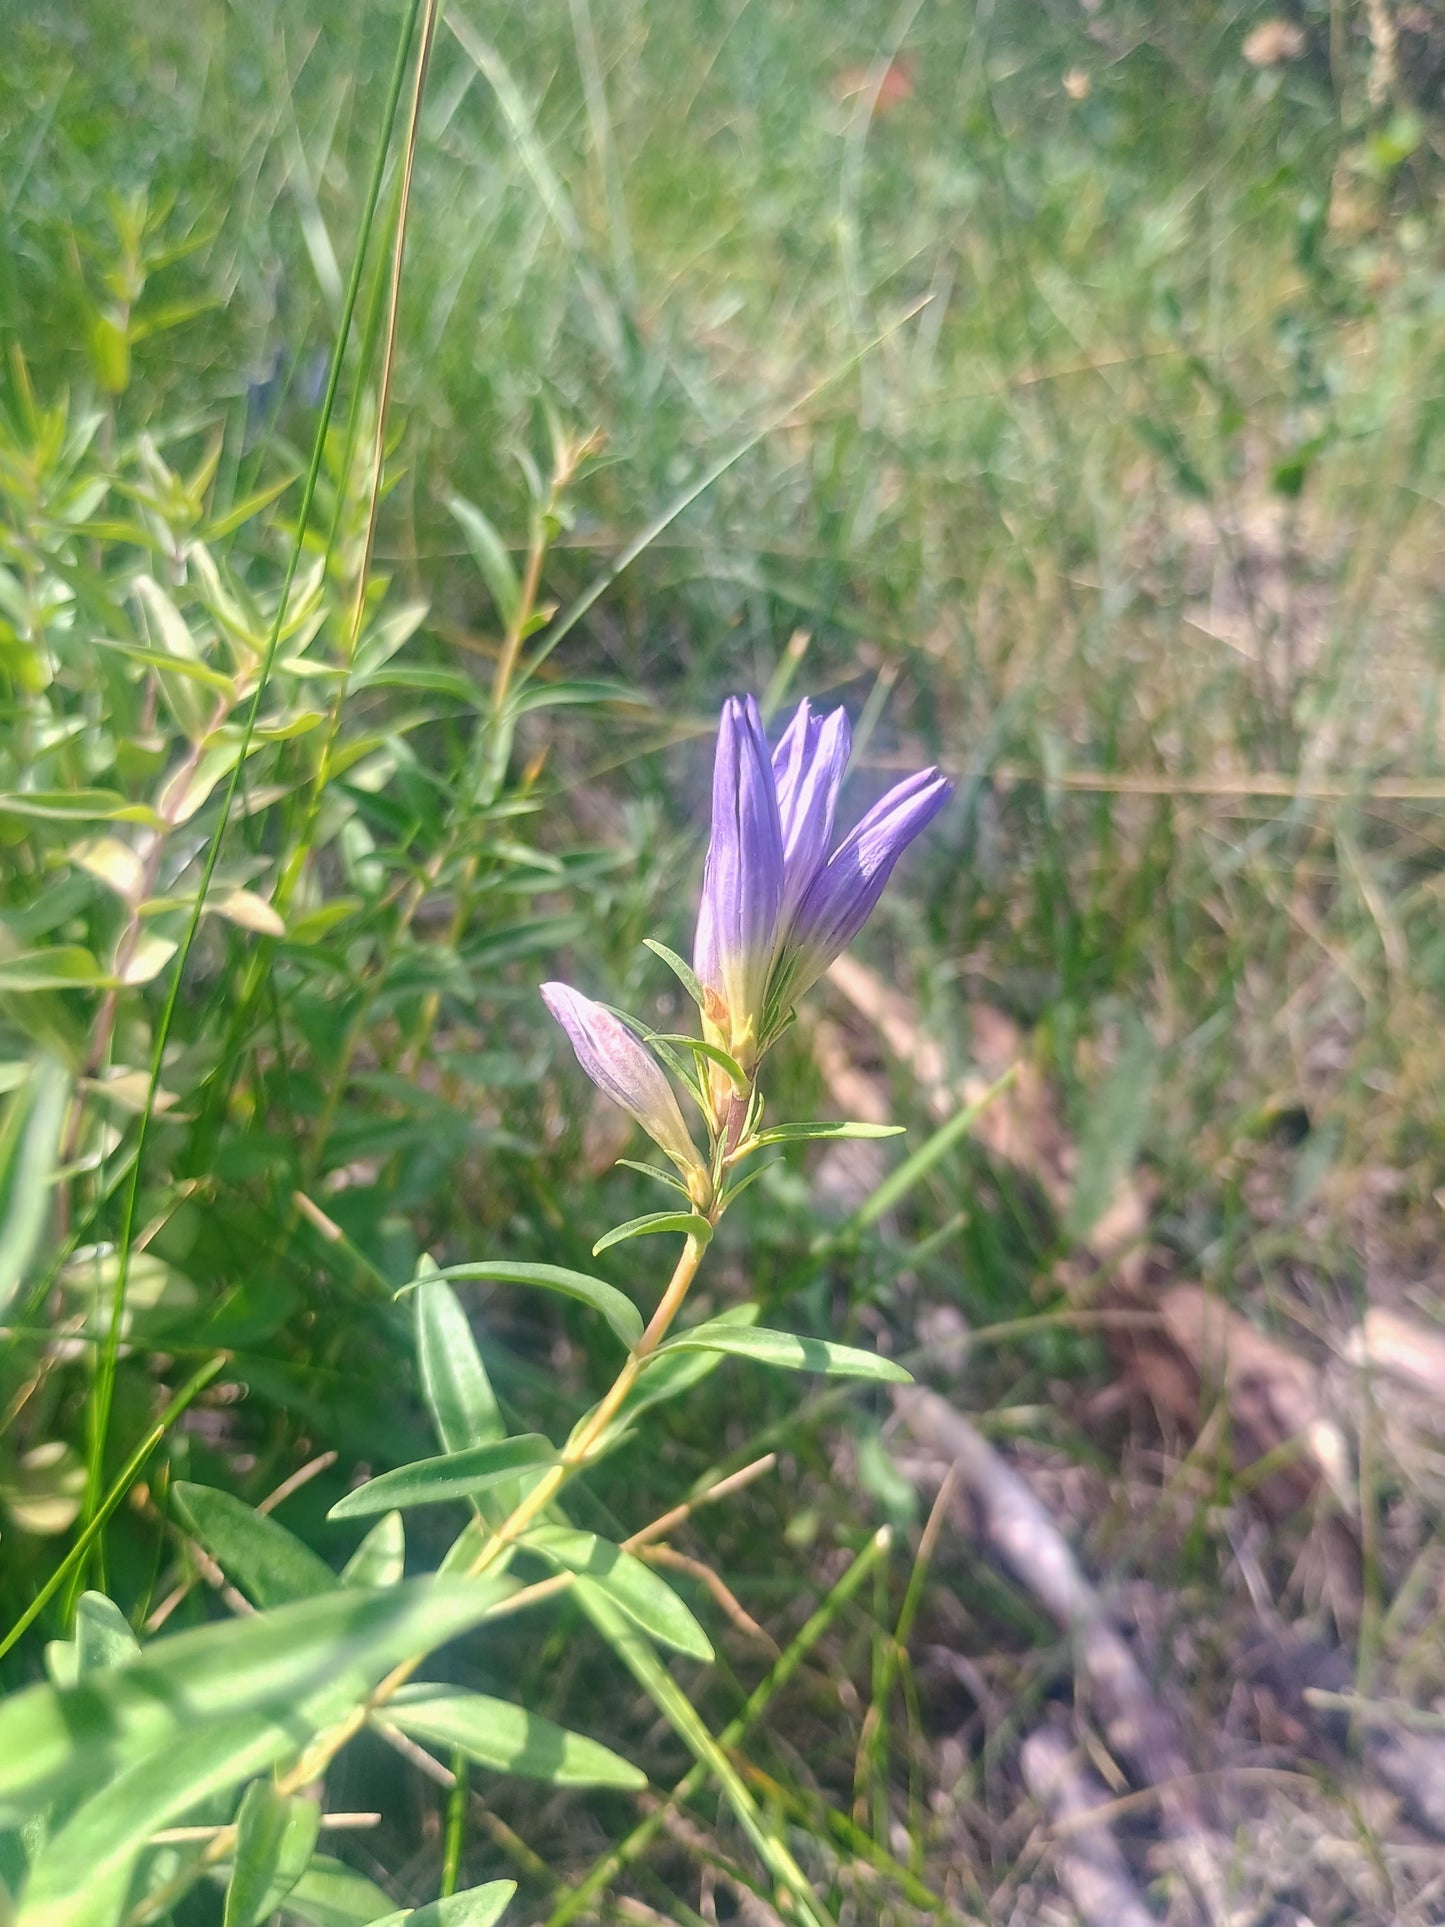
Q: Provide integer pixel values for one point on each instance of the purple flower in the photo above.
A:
(842, 892)
(623, 1068)
(808, 767)
(776, 908)
(742, 882)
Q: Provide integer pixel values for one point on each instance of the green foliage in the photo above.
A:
(296, 807)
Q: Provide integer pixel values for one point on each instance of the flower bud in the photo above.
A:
(622, 1068)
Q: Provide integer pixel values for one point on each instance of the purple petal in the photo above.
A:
(808, 767)
(742, 884)
(623, 1068)
(841, 897)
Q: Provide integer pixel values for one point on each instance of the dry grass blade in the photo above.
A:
(1005, 1517)
(1090, 1865)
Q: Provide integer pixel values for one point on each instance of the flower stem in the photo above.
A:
(318, 1756)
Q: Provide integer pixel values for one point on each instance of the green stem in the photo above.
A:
(612, 1864)
(104, 1390)
(75, 1558)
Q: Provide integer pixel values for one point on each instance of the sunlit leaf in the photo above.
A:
(148, 957)
(477, 1907)
(329, 1894)
(637, 1589)
(55, 1742)
(687, 1222)
(615, 1306)
(495, 1733)
(269, 1564)
(251, 912)
(114, 863)
(80, 1860)
(458, 1475)
(275, 1838)
(802, 1133)
(79, 806)
(29, 1147)
(380, 1559)
(458, 1392)
(61, 967)
(787, 1350)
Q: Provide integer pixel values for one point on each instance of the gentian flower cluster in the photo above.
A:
(779, 903)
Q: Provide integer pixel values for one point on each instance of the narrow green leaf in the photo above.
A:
(103, 1635)
(654, 1221)
(490, 556)
(194, 671)
(329, 1894)
(29, 1147)
(194, 712)
(668, 1377)
(700, 1048)
(77, 806)
(676, 1708)
(635, 1588)
(276, 1836)
(380, 1559)
(498, 1734)
(668, 1178)
(62, 966)
(458, 1392)
(457, 1475)
(269, 1564)
(615, 1306)
(477, 1907)
(79, 1863)
(737, 1186)
(55, 1742)
(787, 1350)
(800, 1133)
(683, 972)
(250, 505)
(557, 695)
(916, 1166)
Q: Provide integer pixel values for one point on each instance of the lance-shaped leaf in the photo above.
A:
(380, 1559)
(269, 1564)
(686, 1222)
(787, 1350)
(103, 1637)
(644, 1595)
(495, 1733)
(56, 1742)
(331, 1894)
(458, 1392)
(79, 1863)
(477, 1907)
(802, 1133)
(457, 1475)
(29, 1149)
(615, 1306)
(275, 1837)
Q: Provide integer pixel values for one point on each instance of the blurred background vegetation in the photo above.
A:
(1058, 387)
